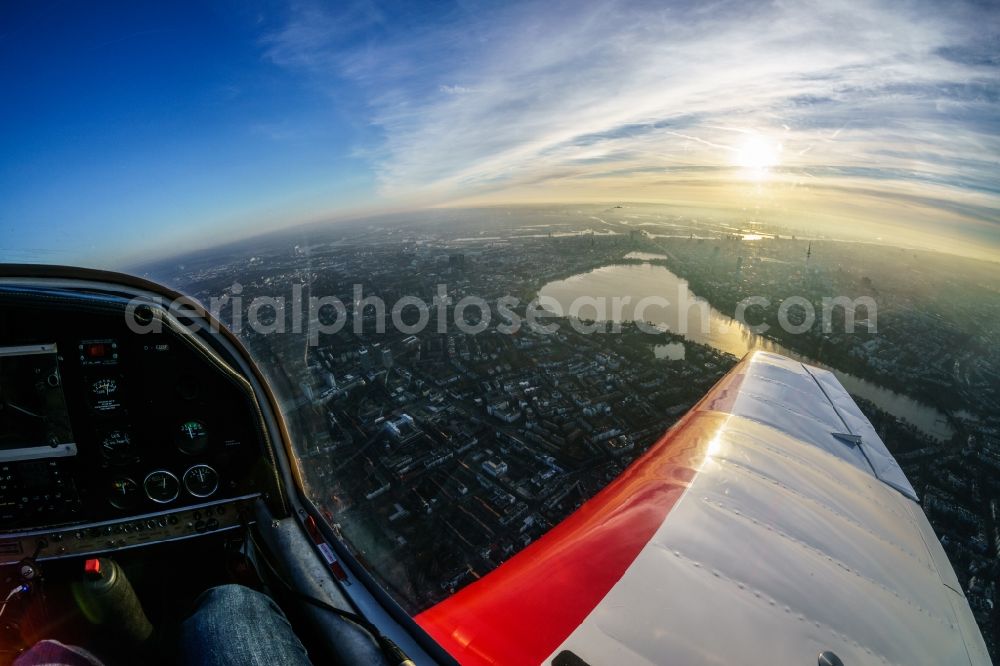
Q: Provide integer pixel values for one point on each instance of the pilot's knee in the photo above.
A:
(231, 599)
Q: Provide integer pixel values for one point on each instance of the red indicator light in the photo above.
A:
(92, 568)
(96, 351)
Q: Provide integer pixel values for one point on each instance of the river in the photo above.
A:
(704, 324)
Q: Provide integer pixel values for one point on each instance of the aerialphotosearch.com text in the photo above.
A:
(313, 315)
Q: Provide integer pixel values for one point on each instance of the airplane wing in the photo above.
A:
(769, 526)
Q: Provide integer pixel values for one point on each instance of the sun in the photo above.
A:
(757, 154)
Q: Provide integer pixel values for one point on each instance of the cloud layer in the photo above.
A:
(563, 100)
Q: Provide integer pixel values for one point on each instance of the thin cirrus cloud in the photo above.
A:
(535, 101)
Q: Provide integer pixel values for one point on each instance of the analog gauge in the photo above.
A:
(104, 395)
(104, 387)
(201, 480)
(123, 492)
(192, 437)
(116, 447)
(161, 486)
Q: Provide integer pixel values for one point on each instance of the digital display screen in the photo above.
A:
(97, 350)
(34, 421)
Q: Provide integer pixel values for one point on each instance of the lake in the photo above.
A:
(706, 325)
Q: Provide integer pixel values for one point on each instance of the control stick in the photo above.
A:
(110, 600)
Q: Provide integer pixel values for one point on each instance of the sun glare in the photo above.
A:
(757, 154)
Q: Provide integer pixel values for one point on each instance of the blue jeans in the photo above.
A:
(233, 625)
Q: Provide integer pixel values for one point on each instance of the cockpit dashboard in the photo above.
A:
(117, 429)
(137, 433)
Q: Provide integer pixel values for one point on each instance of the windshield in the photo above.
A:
(486, 254)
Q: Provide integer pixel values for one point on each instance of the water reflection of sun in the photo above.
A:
(756, 155)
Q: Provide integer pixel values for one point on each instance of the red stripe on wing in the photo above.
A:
(521, 612)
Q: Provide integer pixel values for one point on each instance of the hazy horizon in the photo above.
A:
(159, 130)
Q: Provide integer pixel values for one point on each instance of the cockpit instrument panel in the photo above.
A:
(100, 423)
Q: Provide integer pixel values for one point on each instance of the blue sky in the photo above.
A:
(131, 129)
(139, 124)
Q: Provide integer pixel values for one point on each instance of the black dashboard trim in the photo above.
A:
(44, 539)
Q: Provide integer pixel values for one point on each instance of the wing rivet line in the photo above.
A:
(847, 640)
